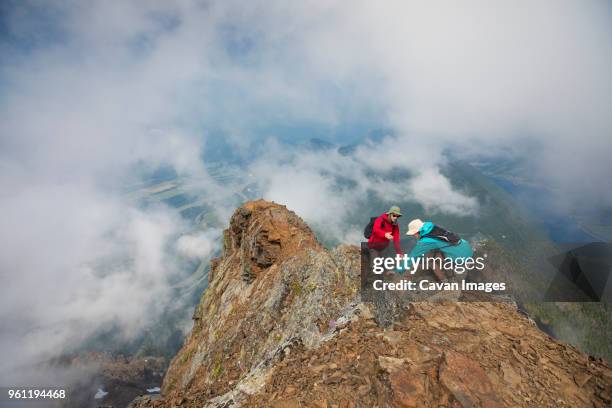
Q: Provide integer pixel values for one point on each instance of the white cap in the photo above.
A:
(414, 226)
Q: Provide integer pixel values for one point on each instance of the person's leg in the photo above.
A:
(430, 263)
(436, 261)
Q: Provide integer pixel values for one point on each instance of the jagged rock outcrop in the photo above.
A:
(452, 354)
(282, 325)
(275, 287)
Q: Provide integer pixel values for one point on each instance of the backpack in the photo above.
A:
(367, 231)
(441, 234)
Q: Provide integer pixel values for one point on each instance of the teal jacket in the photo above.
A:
(426, 244)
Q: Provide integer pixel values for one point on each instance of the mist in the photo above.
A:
(94, 90)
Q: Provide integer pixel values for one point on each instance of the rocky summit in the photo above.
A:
(282, 324)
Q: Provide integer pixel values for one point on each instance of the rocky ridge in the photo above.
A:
(282, 325)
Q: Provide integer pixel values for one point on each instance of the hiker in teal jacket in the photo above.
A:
(431, 238)
(425, 243)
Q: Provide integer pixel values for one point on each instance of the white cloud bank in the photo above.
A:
(198, 246)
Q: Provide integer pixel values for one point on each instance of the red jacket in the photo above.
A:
(377, 240)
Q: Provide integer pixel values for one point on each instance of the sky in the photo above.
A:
(93, 89)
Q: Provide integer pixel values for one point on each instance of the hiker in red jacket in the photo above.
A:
(385, 229)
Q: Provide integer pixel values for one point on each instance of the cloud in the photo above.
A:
(305, 182)
(435, 193)
(479, 75)
(495, 75)
(309, 182)
(92, 91)
(198, 246)
(84, 106)
(75, 261)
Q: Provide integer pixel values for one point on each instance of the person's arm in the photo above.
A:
(422, 247)
(396, 239)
